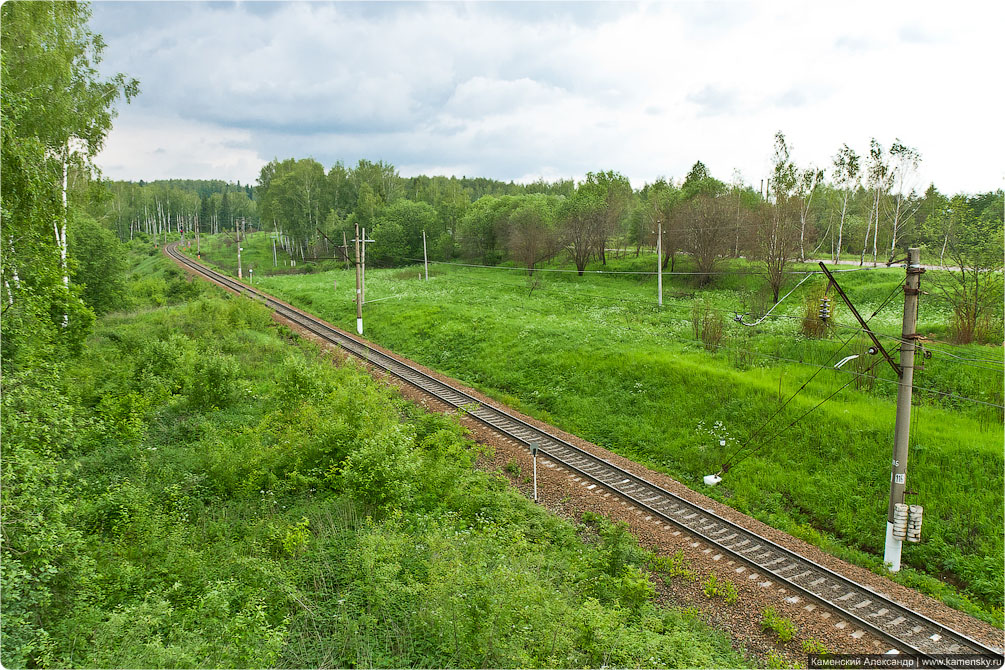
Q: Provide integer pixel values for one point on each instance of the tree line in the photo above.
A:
(865, 208)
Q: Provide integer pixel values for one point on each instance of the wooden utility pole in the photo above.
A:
(364, 265)
(239, 275)
(902, 430)
(345, 249)
(359, 287)
(425, 259)
(659, 260)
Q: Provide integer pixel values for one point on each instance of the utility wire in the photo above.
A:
(764, 425)
(802, 416)
(768, 313)
(630, 272)
(759, 353)
(672, 302)
(757, 432)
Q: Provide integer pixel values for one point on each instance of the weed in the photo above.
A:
(673, 566)
(296, 537)
(776, 661)
(783, 628)
(721, 588)
(513, 468)
(812, 645)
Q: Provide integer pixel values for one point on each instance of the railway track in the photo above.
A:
(907, 631)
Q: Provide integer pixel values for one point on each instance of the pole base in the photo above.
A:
(359, 326)
(891, 554)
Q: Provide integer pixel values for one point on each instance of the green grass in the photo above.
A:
(596, 357)
(202, 489)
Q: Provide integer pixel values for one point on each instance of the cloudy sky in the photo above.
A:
(525, 90)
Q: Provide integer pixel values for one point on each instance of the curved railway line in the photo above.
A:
(907, 631)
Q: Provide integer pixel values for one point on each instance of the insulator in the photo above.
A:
(825, 312)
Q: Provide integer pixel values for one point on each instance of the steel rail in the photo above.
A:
(907, 630)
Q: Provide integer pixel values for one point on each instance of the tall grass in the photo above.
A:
(596, 356)
(195, 492)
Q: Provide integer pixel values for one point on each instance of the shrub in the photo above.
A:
(814, 646)
(721, 588)
(382, 470)
(212, 381)
(297, 536)
(673, 566)
(812, 325)
(784, 628)
(707, 325)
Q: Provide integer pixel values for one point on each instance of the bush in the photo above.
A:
(382, 470)
(784, 628)
(812, 324)
(213, 381)
(673, 566)
(707, 325)
(720, 588)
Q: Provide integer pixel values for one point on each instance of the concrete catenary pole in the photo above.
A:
(425, 259)
(359, 287)
(898, 478)
(659, 260)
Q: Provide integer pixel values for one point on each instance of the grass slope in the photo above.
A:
(193, 491)
(595, 356)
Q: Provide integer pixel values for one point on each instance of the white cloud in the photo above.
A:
(164, 147)
(514, 91)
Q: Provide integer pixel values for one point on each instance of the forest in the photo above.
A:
(859, 210)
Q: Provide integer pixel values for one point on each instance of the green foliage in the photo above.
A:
(48, 48)
(776, 661)
(398, 232)
(100, 265)
(538, 352)
(783, 628)
(212, 381)
(720, 588)
(297, 536)
(812, 645)
(673, 566)
(312, 519)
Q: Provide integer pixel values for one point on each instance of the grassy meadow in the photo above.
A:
(202, 489)
(597, 357)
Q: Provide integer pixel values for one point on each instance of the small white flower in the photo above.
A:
(722, 443)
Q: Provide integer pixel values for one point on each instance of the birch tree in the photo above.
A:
(846, 177)
(904, 161)
(878, 183)
(56, 111)
(806, 187)
(774, 236)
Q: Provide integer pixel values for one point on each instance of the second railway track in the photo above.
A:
(906, 630)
